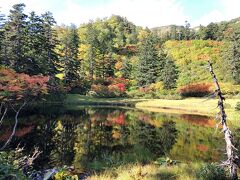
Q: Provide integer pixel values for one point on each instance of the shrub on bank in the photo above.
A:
(7, 169)
(57, 91)
(237, 108)
(80, 87)
(155, 90)
(230, 89)
(111, 87)
(211, 172)
(196, 90)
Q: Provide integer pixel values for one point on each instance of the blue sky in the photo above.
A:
(144, 13)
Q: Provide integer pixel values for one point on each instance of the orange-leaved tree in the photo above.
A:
(16, 90)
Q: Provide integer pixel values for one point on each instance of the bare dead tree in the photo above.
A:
(232, 162)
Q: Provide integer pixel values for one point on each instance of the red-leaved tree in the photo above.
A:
(16, 90)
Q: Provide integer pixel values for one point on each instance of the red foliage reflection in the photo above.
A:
(19, 132)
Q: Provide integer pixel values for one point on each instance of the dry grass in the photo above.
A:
(191, 106)
(148, 172)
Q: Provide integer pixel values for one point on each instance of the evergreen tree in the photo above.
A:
(162, 57)
(49, 43)
(37, 63)
(28, 44)
(126, 68)
(169, 74)
(148, 58)
(2, 21)
(14, 42)
(74, 64)
(70, 44)
(232, 55)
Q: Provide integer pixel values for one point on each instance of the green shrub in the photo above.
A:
(150, 92)
(135, 93)
(211, 172)
(237, 108)
(169, 96)
(80, 87)
(7, 168)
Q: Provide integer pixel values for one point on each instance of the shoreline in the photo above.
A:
(197, 106)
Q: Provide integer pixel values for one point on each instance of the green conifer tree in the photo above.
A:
(70, 44)
(231, 55)
(169, 74)
(49, 43)
(148, 60)
(14, 42)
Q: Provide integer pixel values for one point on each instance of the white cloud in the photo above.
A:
(142, 12)
(149, 13)
(228, 9)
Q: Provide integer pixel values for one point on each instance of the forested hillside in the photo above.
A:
(113, 57)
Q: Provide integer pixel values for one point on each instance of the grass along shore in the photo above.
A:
(149, 172)
(199, 106)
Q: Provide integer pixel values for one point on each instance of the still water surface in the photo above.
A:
(95, 138)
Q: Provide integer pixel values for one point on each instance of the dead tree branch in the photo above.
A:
(3, 115)
(233, 161)
(15, 125)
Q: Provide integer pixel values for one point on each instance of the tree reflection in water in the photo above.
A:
(97, 138)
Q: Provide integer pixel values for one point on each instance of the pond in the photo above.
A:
(95, 138)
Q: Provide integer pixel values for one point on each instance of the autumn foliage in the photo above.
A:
(110, 87)
(16, 86)
(195, 90)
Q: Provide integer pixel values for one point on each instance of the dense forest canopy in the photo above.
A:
(107, 57)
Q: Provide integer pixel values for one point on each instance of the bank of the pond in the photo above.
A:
(181, 171)
(75, 99)
(199, 106)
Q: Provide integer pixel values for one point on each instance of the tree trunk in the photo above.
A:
(233, 160)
